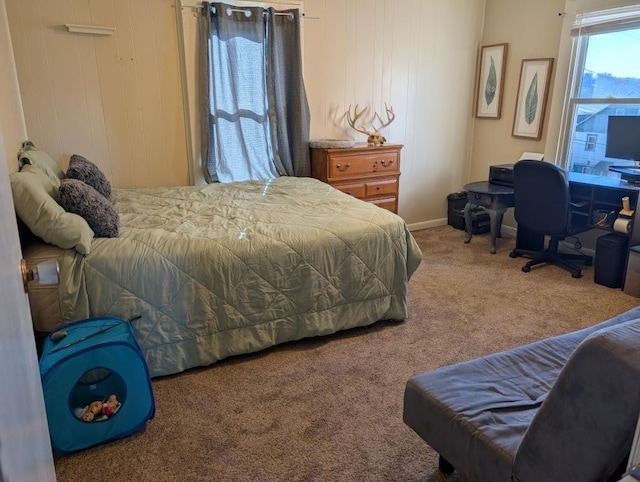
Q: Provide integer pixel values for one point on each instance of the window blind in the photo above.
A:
(610, 20)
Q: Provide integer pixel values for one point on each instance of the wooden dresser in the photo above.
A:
(366, 172)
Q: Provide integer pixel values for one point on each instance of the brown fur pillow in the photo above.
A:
(79, 198)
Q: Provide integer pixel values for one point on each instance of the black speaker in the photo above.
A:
(611, 251)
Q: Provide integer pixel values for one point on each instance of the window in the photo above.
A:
(604, 82)
(590, 145)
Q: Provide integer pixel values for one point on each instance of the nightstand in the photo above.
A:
(367, 172)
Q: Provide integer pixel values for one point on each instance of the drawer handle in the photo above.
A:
(386, 163)
(346, 166)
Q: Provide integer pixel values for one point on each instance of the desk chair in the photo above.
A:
(543, 207)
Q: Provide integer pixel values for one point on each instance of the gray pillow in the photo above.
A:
(86, 171)
(33, 196)
(41, 160)
(79, 198)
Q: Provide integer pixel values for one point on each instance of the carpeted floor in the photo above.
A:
(330, 409)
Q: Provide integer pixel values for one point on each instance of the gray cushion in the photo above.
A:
(475, 413)
(542, 401)
(79, 198)
(584, 429)
(33, 196)
(86, 171)
(42, 161)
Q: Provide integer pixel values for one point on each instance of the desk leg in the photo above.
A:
(495, 215)
(468, 228)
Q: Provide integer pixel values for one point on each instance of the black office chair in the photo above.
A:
(543, 207)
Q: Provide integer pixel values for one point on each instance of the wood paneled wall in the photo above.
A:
(118, 100)
(418, 56)
(114, 99)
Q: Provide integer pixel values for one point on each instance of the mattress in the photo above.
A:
(225, 269)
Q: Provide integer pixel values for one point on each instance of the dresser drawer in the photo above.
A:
(355, 189)
(384, 187)
(373, 163)
(390, 203)
(366, 172)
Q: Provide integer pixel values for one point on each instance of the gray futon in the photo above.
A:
(561, 409)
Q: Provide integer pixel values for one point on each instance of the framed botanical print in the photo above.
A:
(533, 90)
(493, 60)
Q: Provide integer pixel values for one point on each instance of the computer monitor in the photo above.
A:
(623, 142)
(623, 137)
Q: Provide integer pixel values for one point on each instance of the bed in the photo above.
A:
(226, 269)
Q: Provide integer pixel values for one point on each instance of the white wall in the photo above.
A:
(419, 57)
(532, 30)
(115, 99)
(12, 125)
(118, 100)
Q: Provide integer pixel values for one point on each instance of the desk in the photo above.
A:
(605, 193)
(495, 199)
(600, 193)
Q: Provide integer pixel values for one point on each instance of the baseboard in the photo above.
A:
(510, 231)
(427, 224)
(506, 230)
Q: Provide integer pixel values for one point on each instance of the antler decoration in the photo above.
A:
(375, 137)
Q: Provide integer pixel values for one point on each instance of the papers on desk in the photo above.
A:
(532, 156)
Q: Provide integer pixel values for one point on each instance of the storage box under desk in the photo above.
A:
(480, 220)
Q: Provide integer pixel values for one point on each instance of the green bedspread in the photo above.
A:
(227, 269)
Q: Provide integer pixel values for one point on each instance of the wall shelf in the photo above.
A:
(89, 29)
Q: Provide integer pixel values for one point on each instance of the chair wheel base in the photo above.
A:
(526, 269)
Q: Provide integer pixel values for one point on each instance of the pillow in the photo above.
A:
(79, 198)
(86, 171)
(35, 205)
(41, 160)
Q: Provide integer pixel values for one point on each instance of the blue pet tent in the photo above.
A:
(90, 361)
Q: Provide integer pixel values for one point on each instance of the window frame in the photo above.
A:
(597, 22)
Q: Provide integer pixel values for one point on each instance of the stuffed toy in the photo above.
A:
(90, 412)
(111, 406)
(99, 410)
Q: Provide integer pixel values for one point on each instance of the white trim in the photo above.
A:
(510, 231)
(507, 231)
(606, 20)
(186, 111)
(427, 224)
(583, 24)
